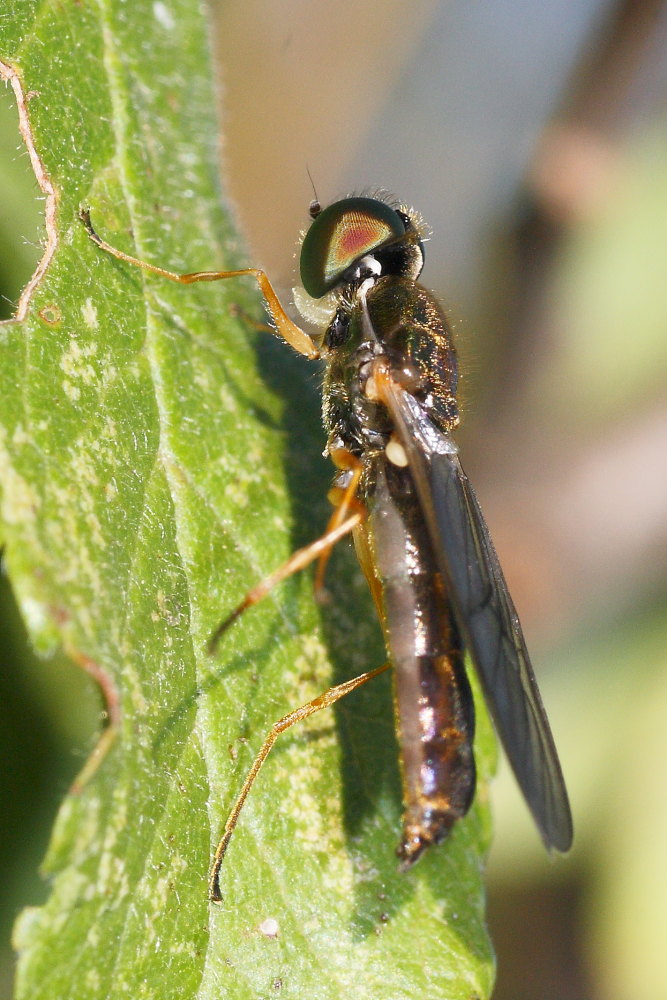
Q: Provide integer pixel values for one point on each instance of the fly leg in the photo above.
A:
(344, 500)
(289, 331)
(298, 560)
(301, 558)
(330, 697)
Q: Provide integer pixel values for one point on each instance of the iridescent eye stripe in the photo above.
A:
(359, 236)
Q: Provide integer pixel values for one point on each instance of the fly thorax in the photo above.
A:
(413, 333)
(360, 424)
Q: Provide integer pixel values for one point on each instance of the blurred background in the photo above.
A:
(533, 139)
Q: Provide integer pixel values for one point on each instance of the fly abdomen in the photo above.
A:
(438, 762)
(434, 705)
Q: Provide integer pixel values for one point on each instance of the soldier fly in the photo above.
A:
(389, 406)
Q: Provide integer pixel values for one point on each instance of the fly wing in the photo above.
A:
(485, 612)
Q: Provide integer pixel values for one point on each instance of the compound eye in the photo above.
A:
(342, 234)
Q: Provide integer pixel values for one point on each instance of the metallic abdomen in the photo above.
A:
(434, 706)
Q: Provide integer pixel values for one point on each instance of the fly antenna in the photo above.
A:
(315, 207)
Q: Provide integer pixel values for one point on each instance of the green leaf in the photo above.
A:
(157, 459)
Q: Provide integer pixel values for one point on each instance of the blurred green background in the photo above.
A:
(533, 138)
